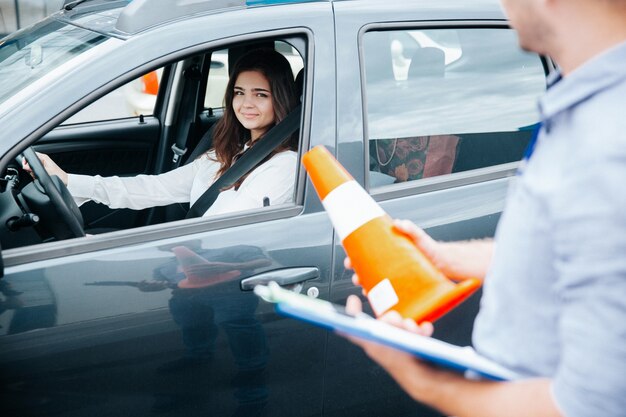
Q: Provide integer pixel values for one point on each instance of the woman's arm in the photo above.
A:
(138, 192)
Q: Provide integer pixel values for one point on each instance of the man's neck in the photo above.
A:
(588, 36)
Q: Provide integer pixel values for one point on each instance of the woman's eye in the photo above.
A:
(238, 93)
(262, 95)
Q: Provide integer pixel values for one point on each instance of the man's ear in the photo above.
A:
(550, 4)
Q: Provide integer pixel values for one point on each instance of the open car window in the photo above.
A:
(108, 138)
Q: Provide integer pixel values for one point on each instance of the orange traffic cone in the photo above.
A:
(392, 270)
(200, 273)
(151, 83)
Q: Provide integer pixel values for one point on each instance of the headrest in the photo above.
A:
(300, 84)
(427, 62)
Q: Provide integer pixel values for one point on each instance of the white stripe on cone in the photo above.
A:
(340, 203)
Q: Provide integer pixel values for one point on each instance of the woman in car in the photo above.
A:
(261, 93)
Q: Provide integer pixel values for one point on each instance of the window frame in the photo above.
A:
(156, 232)
(442, 182)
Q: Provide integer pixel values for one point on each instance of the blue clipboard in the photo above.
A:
(334, 317)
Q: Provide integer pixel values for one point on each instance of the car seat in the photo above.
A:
(415, 157)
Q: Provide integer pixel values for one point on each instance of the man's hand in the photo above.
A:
(414, 376)
(444, 390)
(457, 260)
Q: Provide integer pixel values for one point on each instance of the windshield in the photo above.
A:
(30, 54)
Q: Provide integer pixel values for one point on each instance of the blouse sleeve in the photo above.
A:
(139, 192)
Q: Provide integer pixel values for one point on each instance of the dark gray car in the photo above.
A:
(428, 104)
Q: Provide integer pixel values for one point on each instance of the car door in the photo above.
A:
(105, 325)
(449, 102)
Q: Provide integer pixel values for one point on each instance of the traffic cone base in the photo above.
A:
(445, 302)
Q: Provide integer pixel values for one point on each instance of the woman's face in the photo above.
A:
(252, 103)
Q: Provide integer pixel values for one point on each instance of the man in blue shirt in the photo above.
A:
(554, 303)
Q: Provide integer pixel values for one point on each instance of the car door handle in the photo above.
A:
(283, 277)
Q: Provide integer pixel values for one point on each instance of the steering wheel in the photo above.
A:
(52, 192)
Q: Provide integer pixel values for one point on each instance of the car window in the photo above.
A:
(129, 150)
(138, 97)
(218, 73)
(441, 101)
(135, 98)
(217, 80)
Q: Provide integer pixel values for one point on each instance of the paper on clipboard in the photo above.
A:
(333, 317)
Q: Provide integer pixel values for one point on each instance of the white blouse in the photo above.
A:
(274, 179)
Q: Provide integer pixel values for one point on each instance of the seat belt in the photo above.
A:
(204, 144)
(186, 112)
(251, 158)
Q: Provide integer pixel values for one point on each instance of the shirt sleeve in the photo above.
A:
(590, 252)
(139, 192)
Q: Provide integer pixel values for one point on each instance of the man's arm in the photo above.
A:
(450, 392)
(443, 390)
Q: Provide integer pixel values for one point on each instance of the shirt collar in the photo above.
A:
(599, 73)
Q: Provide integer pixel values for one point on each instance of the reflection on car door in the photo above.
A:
(163, 328)
(158, 323)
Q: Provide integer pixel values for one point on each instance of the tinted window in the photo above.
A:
(448, 100)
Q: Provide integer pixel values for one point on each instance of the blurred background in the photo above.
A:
(15, 14)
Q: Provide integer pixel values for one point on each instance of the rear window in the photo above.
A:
(441, 101)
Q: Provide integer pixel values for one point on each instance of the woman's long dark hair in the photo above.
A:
(230, 135)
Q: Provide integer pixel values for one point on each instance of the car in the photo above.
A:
(428, 104)
(17, 14)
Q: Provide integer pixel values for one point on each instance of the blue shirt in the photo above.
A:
(554, 302)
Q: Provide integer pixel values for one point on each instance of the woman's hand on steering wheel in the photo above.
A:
(51, 167)
(51, 194)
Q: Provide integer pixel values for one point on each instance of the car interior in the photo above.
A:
(174, 130)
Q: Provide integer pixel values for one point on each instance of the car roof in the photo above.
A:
(128, 17)
(125, 18)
